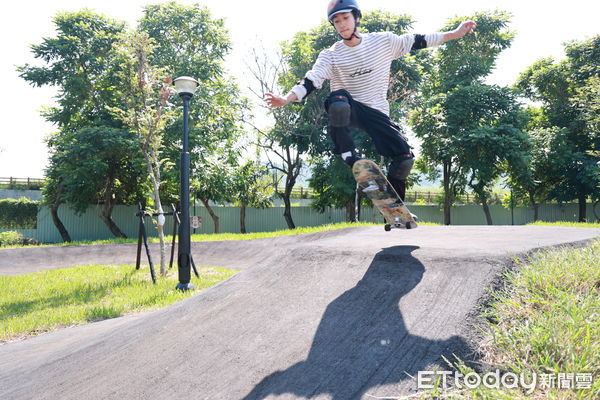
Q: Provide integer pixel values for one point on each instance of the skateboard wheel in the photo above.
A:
(387, 227)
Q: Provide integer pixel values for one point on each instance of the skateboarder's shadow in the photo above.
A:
(362, 340)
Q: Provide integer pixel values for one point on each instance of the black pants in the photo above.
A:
(388, 137)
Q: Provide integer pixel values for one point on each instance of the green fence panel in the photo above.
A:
(89, 226)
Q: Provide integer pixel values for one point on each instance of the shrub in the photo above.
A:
(14, 238)
(18, 214)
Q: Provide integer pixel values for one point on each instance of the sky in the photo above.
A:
(541, 29)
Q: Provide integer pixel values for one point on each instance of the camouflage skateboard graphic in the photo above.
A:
(374, 184)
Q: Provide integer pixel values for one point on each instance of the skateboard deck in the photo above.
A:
(374, 184)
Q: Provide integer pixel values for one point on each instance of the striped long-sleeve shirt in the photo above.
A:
(364, 70)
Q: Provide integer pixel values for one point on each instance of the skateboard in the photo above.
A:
(374, 184)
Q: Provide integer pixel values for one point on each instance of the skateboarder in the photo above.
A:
(358, 67)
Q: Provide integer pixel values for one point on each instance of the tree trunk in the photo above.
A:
(55, 218)
(536, 206)
(214, 216)
(447, 193)
(154, 171)
(350, 210)
(106, 216)
(582, 208)
(486, 211)
(287, 213)
(243, 218)
(290, 181)
(484, 204)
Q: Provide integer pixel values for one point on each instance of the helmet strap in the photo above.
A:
(354, 35)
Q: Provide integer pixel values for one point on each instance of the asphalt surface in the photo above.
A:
(348, 314)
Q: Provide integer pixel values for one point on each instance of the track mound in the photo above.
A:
(335, 315)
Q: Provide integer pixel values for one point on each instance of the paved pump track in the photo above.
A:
(347, 314)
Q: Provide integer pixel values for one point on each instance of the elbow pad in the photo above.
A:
(303, 88)
(420, 42)
(308, 85)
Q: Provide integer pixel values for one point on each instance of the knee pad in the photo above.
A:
(401, 166)
(339, 111)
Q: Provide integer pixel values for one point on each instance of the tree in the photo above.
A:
(489, 139)
(568, 123)
(145, 112)
(53, 197)
(77, 62)
(526, 178)
(333, 186)
(252, 188)
(190, 42)
(287, 140)
(449, 117)
(284, 154)
(215, 182)
(100, 165)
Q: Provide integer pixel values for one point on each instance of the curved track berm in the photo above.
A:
(347, 314)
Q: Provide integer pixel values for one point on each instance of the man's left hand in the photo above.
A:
(465, 28)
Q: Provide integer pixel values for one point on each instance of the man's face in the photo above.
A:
(344, 23)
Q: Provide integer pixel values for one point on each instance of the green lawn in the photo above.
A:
(284, 232)
(546, 322)
(228, 236)
(569, 224)
(42, 301)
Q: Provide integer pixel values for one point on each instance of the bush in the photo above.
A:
(14, 238)
(18, 214)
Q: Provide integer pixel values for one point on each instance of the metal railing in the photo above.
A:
(297, 192)
(21, 183)
(412, 196)
(427, 197)
(437, 198)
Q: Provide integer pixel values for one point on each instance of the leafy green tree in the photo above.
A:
(569, 123)
(190, 42)
(252, 188)
(101, 165)
(284, 143)
(526, 179)
(77, 62)
(53, 196)
(333, 186)
(489, 139)
(457, 115)
(215, 182)
(145, 112)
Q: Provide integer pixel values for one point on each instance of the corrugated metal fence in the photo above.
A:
(90, 227)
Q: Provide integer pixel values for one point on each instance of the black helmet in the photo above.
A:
(340, 6)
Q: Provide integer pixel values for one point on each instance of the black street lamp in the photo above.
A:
(185, 87)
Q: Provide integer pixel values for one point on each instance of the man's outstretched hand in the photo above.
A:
(465, 28)
(274, 100)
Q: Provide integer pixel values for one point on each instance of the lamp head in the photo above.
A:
(186, 86)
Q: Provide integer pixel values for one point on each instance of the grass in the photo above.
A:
(569, 224)
(74, 243)
(546, 322)
(210, 237)
(283, 232)
(261, 235)
(43, 301)
(226, 236)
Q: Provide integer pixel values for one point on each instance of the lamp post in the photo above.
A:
(185, 87)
